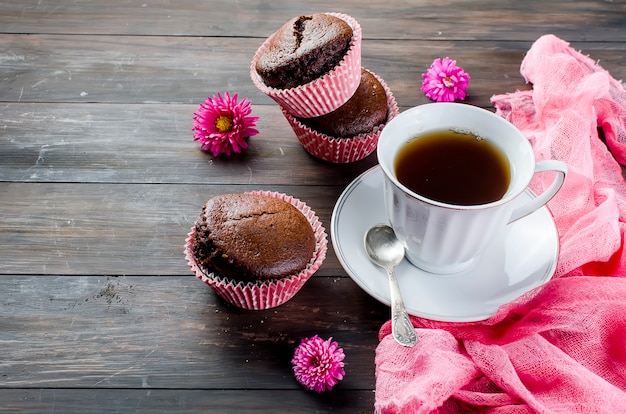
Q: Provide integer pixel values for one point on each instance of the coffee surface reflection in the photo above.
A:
(454, 168)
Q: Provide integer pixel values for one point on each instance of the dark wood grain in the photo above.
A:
(100, 182)
(149, 70)
(152, 144)
(87, 401)
(426, 19)
(173, 332)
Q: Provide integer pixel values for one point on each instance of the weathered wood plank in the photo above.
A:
(118, 229)
(86, 401)
(426, 19)
(113, 69)
(173, 333)
(151, 144)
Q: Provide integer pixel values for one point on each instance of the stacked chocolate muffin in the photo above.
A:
(311, 66)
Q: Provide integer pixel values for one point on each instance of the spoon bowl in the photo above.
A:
(385, 250)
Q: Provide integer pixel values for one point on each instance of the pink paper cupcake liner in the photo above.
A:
(342, 150)
(263, 294)
(324, 94)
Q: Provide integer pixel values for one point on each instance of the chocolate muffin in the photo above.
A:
(366, 109)
(304, 49)
(250, 237)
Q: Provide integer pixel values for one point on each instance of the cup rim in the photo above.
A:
(506, 198)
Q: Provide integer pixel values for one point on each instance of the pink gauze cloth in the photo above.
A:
(560, 348)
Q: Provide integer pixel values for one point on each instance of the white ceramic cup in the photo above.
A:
(444, 238)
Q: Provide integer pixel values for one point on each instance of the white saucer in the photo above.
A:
(519, 260)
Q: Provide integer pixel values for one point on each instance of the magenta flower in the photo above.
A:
(221, 124)
(318, 364)
(444, 81)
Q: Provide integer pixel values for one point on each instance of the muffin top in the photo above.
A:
(304, 49)
(366, 109)
(249, 237)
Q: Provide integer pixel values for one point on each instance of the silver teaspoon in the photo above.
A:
(386, 251)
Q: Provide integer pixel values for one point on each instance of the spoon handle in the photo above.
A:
(401, 326)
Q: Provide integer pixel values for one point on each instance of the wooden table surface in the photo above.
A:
(100, 181)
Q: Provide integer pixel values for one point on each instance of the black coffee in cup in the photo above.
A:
(454, 168)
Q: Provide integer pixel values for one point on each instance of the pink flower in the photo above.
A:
(221, 124)
(318, 364)
(445, 81)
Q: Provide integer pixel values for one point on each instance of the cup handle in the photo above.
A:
(546, 165)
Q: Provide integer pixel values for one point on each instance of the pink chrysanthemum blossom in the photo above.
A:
(221, 124)
(445, 81)
(318, 364)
